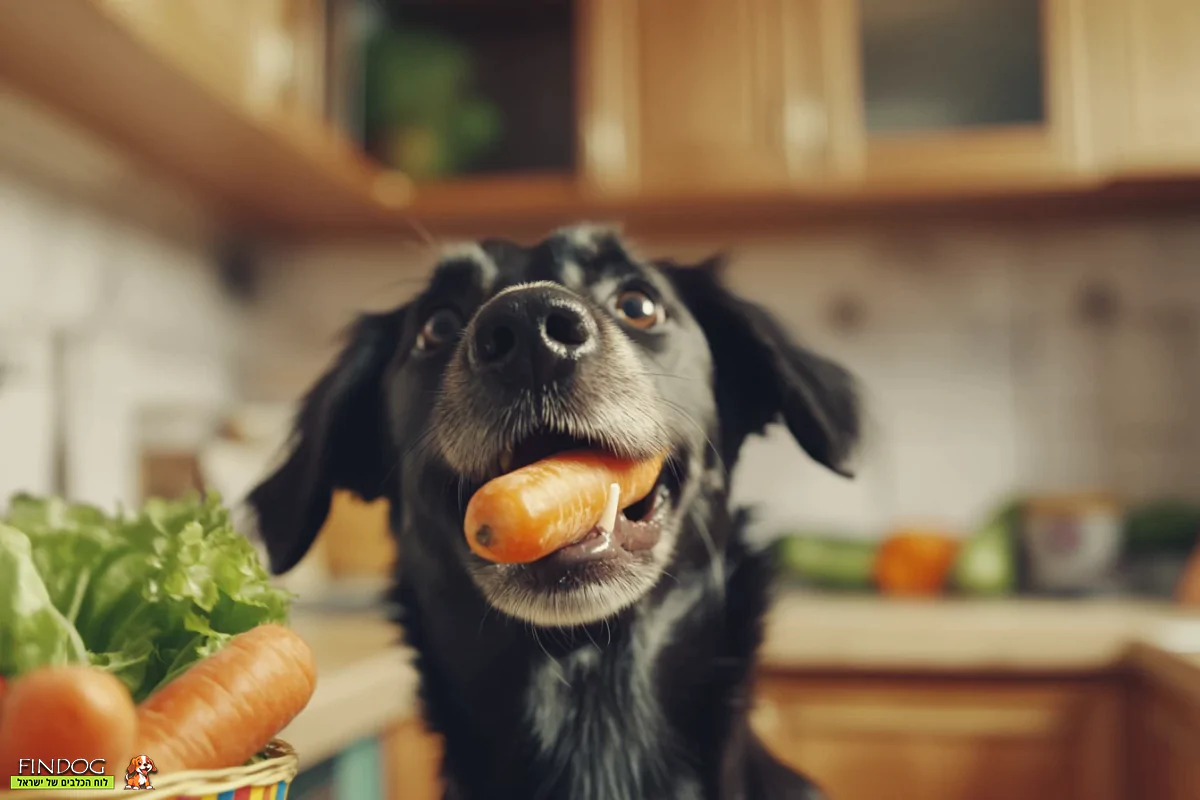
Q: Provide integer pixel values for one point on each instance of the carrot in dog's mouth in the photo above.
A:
(558, 504)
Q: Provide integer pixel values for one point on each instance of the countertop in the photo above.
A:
(820, 632)
(366, 682)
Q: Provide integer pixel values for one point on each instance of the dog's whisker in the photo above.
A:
(674, 377)
(715, 559)
(428, 238)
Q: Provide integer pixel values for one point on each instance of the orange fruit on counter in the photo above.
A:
(915, 562)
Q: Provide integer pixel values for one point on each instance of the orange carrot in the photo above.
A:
(227, 707)
(66, 713)
(531, 512)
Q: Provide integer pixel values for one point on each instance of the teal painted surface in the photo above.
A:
(358, 772)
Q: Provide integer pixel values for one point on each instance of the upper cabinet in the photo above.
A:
(1164, 76)
(771, 94)
(937, 88)
(310, 117)
(683, 94)
(264, 56)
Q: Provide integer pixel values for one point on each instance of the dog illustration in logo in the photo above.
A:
(137, 774)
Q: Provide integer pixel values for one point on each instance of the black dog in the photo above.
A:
(607, 670)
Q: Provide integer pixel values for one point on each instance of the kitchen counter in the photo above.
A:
(821, 632)
(366, 682)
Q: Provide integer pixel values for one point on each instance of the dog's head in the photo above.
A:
(140, 765)
(512, 354)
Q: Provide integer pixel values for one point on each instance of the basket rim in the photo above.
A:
(282, 764)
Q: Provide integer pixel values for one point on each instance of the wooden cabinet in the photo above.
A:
(265, 55)
(684, 94)
(1164, 76)
(1166, 737)
(1165, 726)
(866, 738)
(765, 94)
(937, 89)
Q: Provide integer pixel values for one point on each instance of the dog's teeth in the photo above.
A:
(506, 461)
(608, 520)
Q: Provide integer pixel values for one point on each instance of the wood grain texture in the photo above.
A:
(874, 737)
(255, 168)
(1017, 151)
(1165, 726)
(1164, 71)
(739, 116)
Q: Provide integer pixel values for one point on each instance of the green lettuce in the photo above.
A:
(142, 595)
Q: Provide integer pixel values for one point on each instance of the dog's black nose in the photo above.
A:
(532, 335)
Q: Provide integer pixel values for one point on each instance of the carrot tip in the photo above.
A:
(484, 536)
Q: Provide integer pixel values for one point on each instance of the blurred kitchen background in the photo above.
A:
(988, 209)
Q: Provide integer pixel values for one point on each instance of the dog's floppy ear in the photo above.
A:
(762, 375)
(338, 442)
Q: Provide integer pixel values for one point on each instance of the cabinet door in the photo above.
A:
(266, 55)
(943, 88)
(868, 738)
(1164, 64)
(683, 94)
(1165, 738)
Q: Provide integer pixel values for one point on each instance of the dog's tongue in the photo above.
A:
(533, 511)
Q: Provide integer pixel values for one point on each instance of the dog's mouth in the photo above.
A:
(639, 525)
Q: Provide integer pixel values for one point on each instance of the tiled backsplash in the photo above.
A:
(101, 321)
(1012, 357)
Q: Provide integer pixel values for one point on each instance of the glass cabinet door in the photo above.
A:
(933, 65)
(956, 88)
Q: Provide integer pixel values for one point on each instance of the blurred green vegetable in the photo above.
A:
(827, 562)
(143, 596)
(1166, 527)
(987, 560)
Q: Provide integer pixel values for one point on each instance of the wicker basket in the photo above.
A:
(267, 779)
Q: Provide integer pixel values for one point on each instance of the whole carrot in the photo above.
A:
(228, 706)
(69, 713)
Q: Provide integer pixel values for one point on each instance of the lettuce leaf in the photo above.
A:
(33, 632)
(142, 595)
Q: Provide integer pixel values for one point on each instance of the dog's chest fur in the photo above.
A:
(597, 716)
(651, 706)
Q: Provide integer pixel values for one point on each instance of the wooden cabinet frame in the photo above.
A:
(1055, 147)
(808, 103)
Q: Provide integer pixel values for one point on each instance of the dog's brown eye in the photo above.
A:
(442, 327)
(639, 309)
